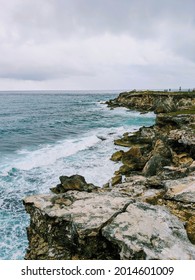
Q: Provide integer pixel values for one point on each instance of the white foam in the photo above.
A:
(48, 154)
(122, 111)
(1, 202)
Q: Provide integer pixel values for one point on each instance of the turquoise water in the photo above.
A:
(46, 135)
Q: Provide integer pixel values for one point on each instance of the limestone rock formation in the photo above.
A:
(166, 148)
(68, 226)
(80, 225)
(148, 232)
(150, 215)
(157, 101)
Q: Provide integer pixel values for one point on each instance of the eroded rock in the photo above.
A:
(116, 180)
(157, 101)
(81, 225)
(149, 232)
(182, 189)
(74, 182)
(117, 155)
(148, 216)
(155, 165)
(74, 230)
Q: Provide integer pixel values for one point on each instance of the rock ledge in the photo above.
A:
(149, 216)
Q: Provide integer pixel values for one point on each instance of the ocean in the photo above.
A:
(44, 135)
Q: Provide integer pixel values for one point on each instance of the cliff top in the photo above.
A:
(156, 101)
(159, 93)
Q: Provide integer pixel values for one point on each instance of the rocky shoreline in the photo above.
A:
(151, 215)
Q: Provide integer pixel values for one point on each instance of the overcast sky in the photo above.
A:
(97, 44)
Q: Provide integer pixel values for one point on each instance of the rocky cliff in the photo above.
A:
(149, 216)
(157, 101)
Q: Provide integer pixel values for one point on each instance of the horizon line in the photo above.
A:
(98, 90)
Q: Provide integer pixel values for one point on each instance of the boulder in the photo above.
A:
(154, 165)
(154, 182)
(161, 148)
(74, 182)
(134, 158)
(117, 155)
(124, 142)
(126, 170)
(180, 200)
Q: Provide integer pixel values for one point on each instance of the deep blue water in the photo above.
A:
(46, 135)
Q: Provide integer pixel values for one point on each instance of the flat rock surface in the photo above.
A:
(144, 231)
(136, 230)
(181, 189)
(88, 211)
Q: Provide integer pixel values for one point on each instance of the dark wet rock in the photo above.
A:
(154, 182)
(117, 155)
(155, 165)
(134, 158)
(103, 138)
(116, 180)
(126, 170)
(123, 142)
(74, 182)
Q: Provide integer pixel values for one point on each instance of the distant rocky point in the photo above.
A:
(156, 101)
(151, 215)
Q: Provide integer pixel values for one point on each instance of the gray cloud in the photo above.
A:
(41, 40)
(33, 73)
(63, 17)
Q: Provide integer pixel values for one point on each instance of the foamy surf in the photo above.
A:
(48, 155)
(77, 135)
(51, 153)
